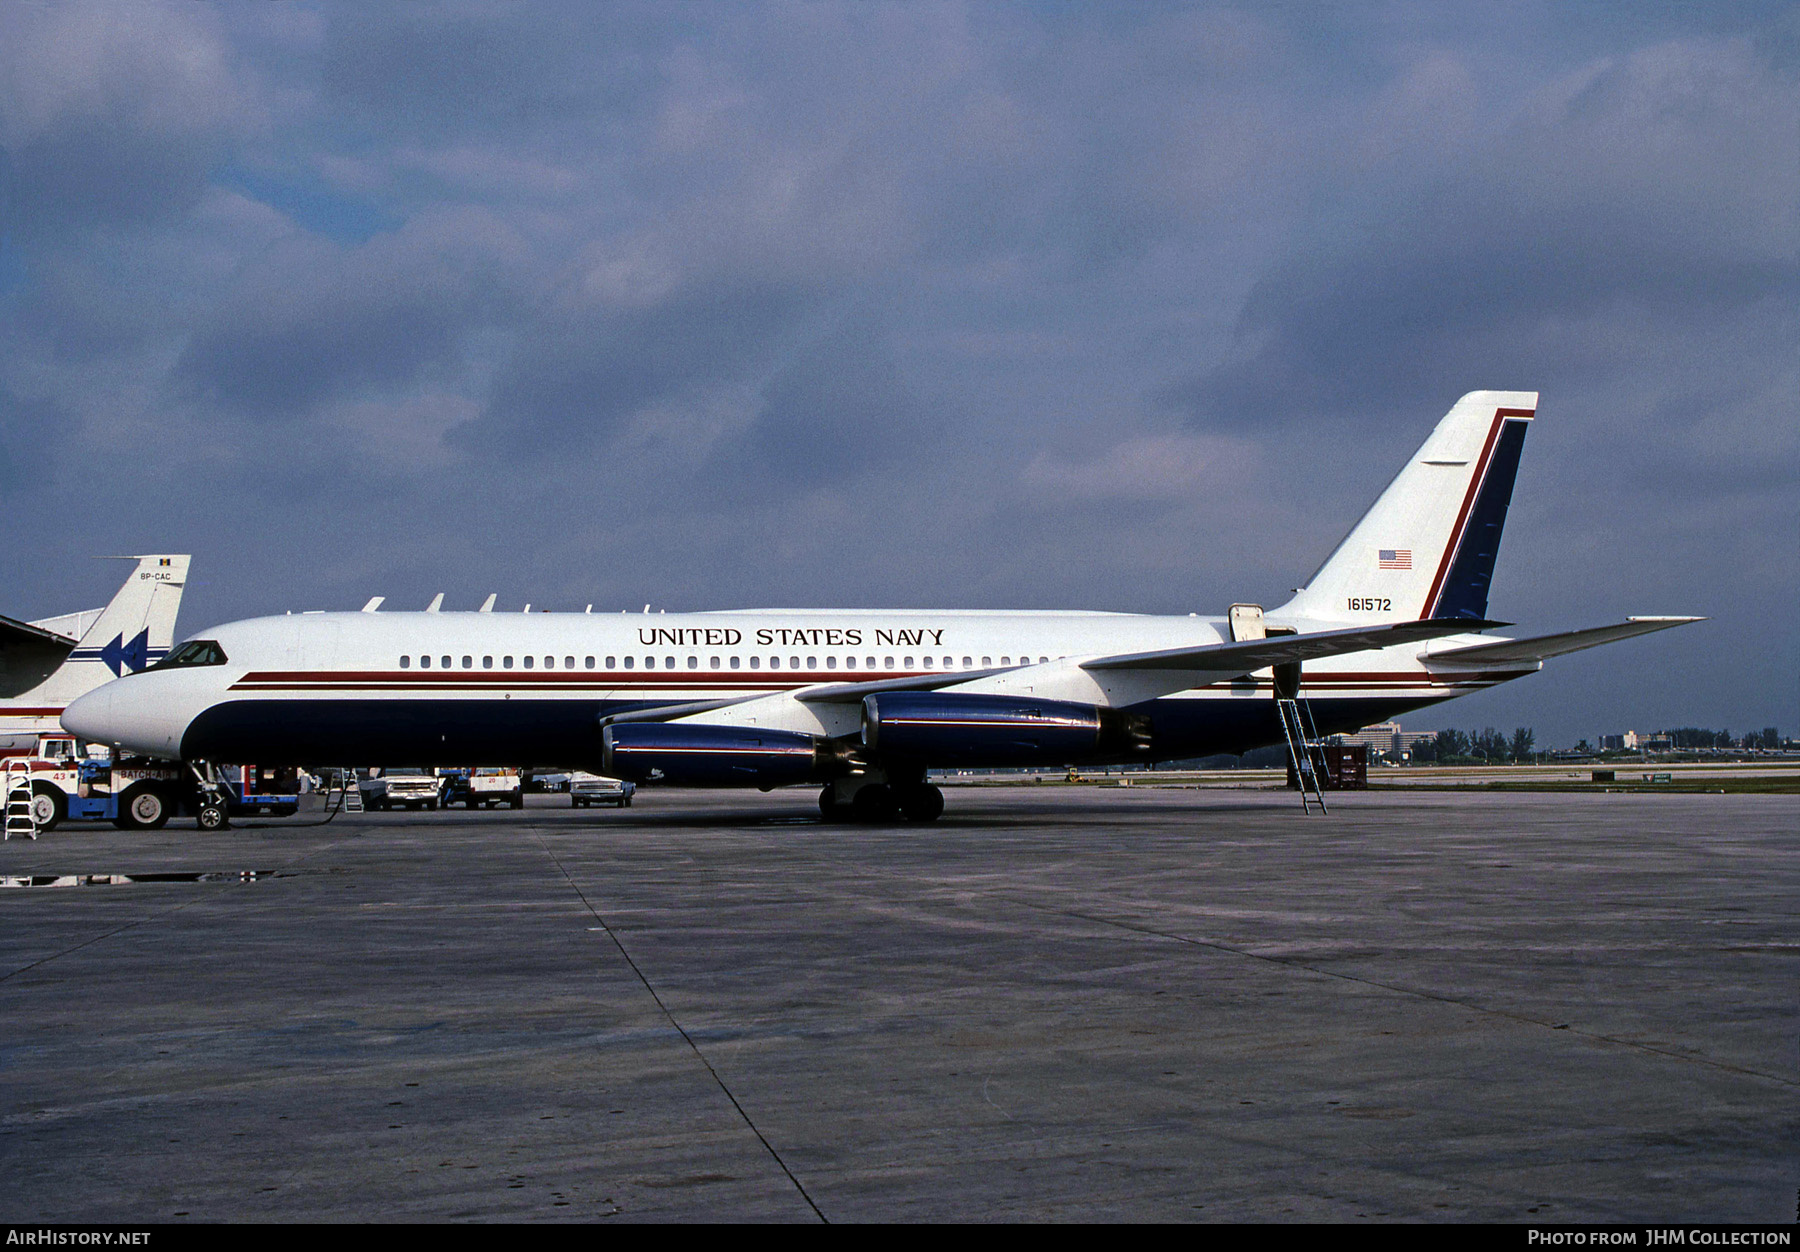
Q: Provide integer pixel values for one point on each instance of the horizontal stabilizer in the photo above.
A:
(1242, 658)
(1528, 652)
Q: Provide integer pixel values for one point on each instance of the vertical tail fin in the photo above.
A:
(1427, 547)
(132, 633)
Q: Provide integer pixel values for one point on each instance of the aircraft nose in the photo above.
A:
(90, 717)
(128, 713)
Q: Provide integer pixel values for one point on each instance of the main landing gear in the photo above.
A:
(881, 802)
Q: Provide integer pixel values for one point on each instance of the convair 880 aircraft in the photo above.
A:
(865, 701)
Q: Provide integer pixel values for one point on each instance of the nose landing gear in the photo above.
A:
(212, 813)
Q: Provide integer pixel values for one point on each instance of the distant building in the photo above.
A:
(1380, 739)
(1386, 739)
(1611, 743)
(1653, 741)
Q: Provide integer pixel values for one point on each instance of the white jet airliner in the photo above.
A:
(42, 668)
(865, 701)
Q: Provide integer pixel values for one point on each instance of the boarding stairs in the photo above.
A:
(1303, 742)
(21, 803)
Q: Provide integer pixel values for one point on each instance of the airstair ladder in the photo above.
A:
(1302, 740)
(21, 807)
(352, 793)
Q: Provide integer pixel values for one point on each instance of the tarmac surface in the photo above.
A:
(1057, 1003)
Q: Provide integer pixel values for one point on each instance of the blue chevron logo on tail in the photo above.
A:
(120, 656)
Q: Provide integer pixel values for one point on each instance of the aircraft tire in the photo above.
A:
(873, 803)
(48, 806)
(144, 808)
(212, 817)
(829, 808)
(923, 803)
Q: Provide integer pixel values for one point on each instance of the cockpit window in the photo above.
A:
(194, 652)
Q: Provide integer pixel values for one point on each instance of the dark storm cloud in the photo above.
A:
(475, 68)
(311, 321)
(31, 431)
(1499, 272)
(579, 375)
(111, 115)
(841, 408)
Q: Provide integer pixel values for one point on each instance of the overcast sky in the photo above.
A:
(1131, 307)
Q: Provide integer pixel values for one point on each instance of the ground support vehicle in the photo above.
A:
(132, 792)
(586, 790)
(455, 788)
(490, 784)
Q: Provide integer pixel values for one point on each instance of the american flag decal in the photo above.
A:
(1395, 558)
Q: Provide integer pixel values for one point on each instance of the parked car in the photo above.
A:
(590, 789)
(401, 786)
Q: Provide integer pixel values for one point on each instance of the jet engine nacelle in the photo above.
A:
(940, 728)
(717, 756)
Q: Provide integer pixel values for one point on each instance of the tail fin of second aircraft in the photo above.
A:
(132, 633)
(1427, 547)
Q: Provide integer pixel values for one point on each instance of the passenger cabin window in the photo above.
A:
(628, 661)
(406, 662)
(590, 662)
(424, 662)
(715, 662)
(194, 652)
(487, 662)
(736, 660)
(569, 662)
(831, 662)
(887, 662)
(668, 662)
(756, 662)
(506, 662)
(468, 662)
(445, 663)
(610, 661)
(529, 661)
(693, 662)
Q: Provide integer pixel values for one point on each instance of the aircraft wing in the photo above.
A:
(28, 655)
(1526, 653)
(822, 693)
(1255, 654)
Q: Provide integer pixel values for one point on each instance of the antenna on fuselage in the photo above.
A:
(437, 602)
(373, 604)
(487, 605)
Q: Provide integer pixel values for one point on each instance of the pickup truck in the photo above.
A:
(400, 786)
(589, 789)
(489, 784)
